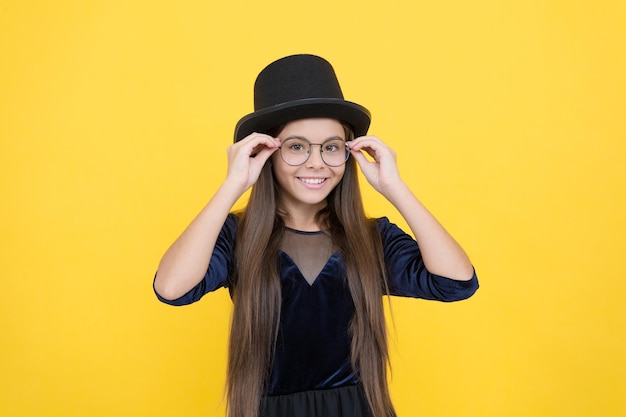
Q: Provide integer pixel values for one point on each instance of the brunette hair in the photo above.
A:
(256, 292)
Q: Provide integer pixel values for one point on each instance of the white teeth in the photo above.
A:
(312, 180)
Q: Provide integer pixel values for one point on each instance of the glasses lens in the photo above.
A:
(295, 151)
(334, 152)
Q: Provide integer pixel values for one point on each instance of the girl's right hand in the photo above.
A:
(247, 157)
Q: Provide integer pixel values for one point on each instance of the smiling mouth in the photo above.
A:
(312, 181)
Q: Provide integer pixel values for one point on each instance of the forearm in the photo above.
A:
(185, 263)
(442, 255)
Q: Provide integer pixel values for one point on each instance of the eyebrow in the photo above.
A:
(303, 138)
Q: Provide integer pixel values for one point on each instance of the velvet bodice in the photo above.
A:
(313, 342)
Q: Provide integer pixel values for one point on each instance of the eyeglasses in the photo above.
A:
(296, 151)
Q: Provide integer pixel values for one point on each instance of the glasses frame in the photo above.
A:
(308, 152)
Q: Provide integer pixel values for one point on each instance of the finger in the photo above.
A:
(369, 144)
(255, 139)
(256, 142)
(366, 152)
(359, 156)
(374, 147)
(263, 153)
(364, 141)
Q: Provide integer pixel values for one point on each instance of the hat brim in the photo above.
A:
(266, 119)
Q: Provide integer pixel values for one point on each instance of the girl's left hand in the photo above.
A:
(382, 171)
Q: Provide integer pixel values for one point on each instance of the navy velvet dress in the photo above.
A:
(312, 373)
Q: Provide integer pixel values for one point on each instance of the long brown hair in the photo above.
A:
(257, 294)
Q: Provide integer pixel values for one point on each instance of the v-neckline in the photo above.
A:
(301, 275)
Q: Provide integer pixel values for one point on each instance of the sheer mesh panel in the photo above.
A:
(310, 251)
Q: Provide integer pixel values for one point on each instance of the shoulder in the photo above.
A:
(388, 229)
(381, 222)
(230, 225)
(232, 220)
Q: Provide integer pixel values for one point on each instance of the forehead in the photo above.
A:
(313, 129)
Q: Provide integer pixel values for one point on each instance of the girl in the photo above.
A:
(306, 269)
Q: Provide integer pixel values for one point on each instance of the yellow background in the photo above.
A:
(508, 119)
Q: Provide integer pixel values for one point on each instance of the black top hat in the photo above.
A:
(299, 87)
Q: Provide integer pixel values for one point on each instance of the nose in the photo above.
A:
(315, 156)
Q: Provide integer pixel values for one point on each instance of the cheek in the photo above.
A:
(340, 171)
(275, 158)
(279, 168)
(275, 162)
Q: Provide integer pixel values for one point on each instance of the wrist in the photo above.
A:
(231, 190)
(396, 190)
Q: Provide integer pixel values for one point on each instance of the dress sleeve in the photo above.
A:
(407, 275)
(220, 267)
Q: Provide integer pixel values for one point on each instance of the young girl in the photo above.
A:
(306, 269)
